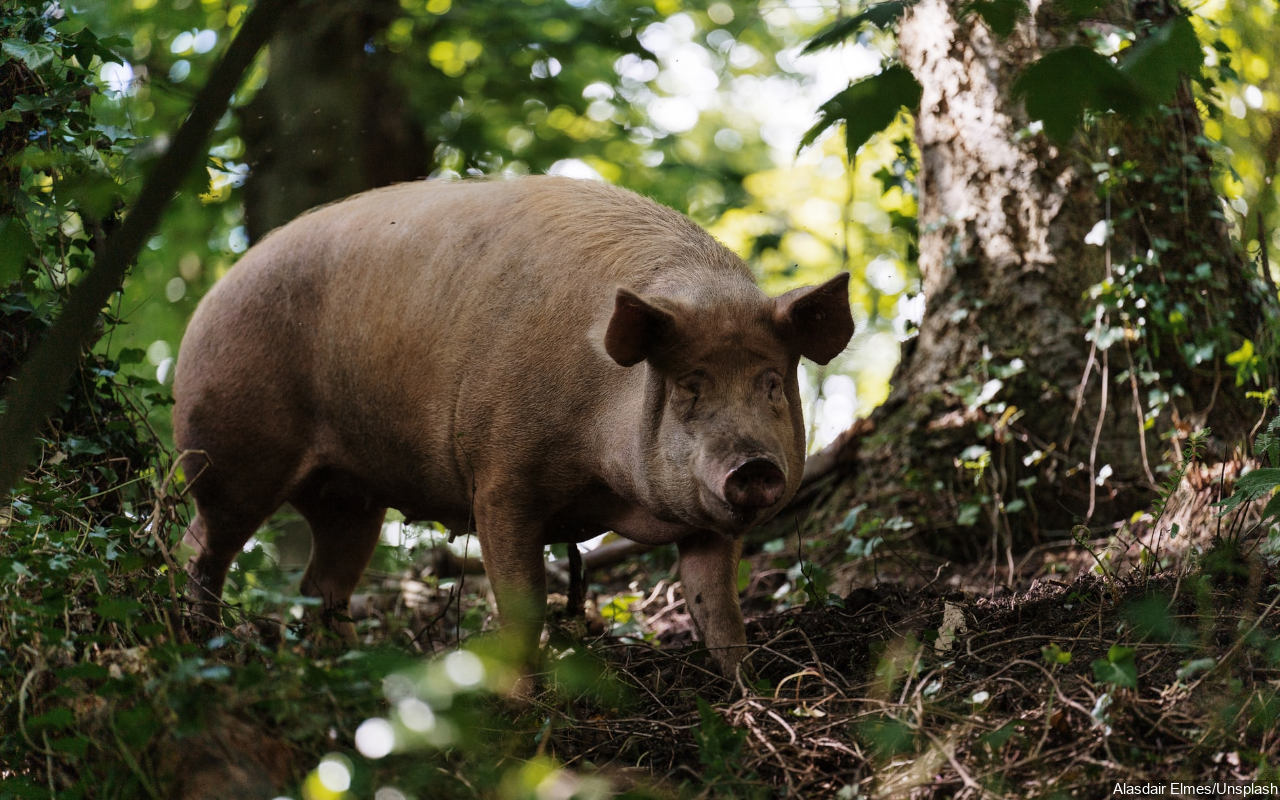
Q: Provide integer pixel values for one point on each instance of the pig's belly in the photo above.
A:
(597, 510)
(581, 515)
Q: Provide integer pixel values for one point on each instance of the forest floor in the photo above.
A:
(938, 681)
(1090, 668)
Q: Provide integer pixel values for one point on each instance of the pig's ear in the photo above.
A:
(636, 329)
(815, 320)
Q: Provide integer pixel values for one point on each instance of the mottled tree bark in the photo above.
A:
(1009, 282)
(331, 120)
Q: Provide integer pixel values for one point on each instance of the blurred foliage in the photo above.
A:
(97, 697)
(1244, 114)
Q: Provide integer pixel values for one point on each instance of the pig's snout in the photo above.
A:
(756, 483)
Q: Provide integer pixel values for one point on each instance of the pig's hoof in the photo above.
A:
(198, 621)
(566, 632)
(735, 665)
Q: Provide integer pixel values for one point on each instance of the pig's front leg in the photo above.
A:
(511, 546)
(709, 573)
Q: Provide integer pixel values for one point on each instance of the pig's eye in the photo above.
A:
(688, 390)
(693, 384)
(771, 381)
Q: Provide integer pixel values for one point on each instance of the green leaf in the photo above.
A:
(118, 609)
(880, 15)
(851, 519)
(34, 54)
(1062, 85)
(131, 355)
(1243, 355)
(84, 669)
(886, 736)
(1272, 509)
(1251, 486)
(618, 610)
(70, 26)
(999, 15)
(1259, 481)
(95, 193)
(54, 719)
(1118, 668)
(1054, 655)
(718, 741)
(15, 248)
(863, 548)
(867, 107)
(1157, 63)
(1191, 668)
(997, 738)
(75, 745)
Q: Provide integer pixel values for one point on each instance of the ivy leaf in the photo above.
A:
(117, 609)
(1055, 655)
(1065, 83)
(1062, 85)
(866, 107)
(880, 15)
(997, 738)
(15, 247)
(1118, 668)
(1191, 668)
(718, 741)
(34, 54)
(999, 15)
(1159, 61)
(52, 720)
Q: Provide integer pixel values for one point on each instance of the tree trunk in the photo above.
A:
(331, 119)
(1050, 376)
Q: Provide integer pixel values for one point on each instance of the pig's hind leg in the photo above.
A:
(230, 505)
(345, 526)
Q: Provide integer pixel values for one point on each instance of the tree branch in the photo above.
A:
(44, 376)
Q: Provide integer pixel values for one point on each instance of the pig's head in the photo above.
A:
(722, 434)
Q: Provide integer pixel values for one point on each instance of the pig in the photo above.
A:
(538, 359)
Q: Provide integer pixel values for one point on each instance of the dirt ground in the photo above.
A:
(924, 679)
